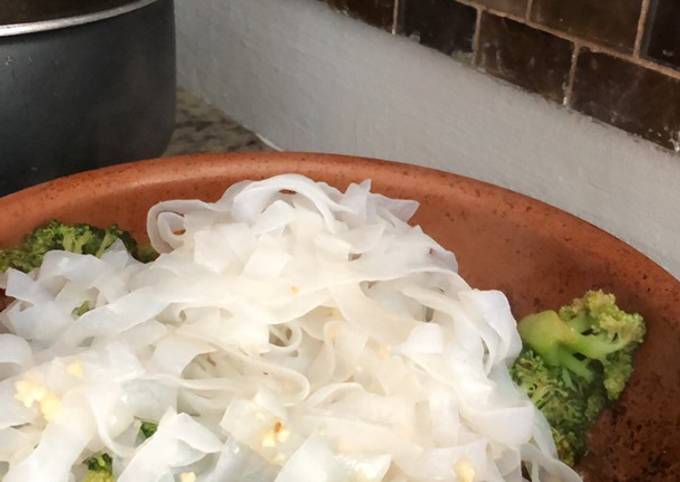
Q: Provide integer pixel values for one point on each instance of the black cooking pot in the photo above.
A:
(83, 84)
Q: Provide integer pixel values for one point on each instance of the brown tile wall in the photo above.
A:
(514, 7)
(530, 58)
(662, 37)
(441, 24)
(608, 22)
(615, 60)
(628, 96)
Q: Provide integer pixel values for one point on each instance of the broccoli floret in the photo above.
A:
(618, 367)
(100, 463)
(18, 259)
(591, 332)
(570, 445)
(574, 362)
(76, 238)
(99, 468)
(97, 477)
(83, 308)
(570, 404)
(148, 429)
(145, 253)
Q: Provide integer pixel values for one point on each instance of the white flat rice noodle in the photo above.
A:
(289, 332)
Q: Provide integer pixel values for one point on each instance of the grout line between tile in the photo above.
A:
(530, 6)
(662, 69)
(569, 89)
(642, 23)
(475, 37)
(395, 17)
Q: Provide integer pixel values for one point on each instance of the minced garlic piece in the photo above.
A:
(384, 352)
(278, 434)
(29, 392)
(283, 435)
(49, 406)
(269, 440)
(75, 369)
(464, 471)
(187, 477)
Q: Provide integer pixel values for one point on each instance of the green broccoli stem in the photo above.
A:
(569, 361)
(596, 346)
(109, 239)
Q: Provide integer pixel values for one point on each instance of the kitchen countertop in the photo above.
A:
(201, 127)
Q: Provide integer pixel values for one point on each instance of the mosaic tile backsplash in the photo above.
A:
(615, 60)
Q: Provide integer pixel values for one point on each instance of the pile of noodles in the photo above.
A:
(289, 332)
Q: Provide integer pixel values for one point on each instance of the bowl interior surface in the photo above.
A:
(538, 255)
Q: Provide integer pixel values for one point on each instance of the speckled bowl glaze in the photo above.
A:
(539, 256)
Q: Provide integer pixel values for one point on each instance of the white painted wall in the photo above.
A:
(310, 79)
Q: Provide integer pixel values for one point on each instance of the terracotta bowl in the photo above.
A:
(539, 256)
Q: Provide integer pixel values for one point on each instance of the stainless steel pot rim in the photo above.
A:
(59, 23)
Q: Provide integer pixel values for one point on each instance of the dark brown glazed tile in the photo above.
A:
(535, 60)
(663, 32)
(639, 100)
(379, 13)
(515, 7)
(445, 25)
(608, 22)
